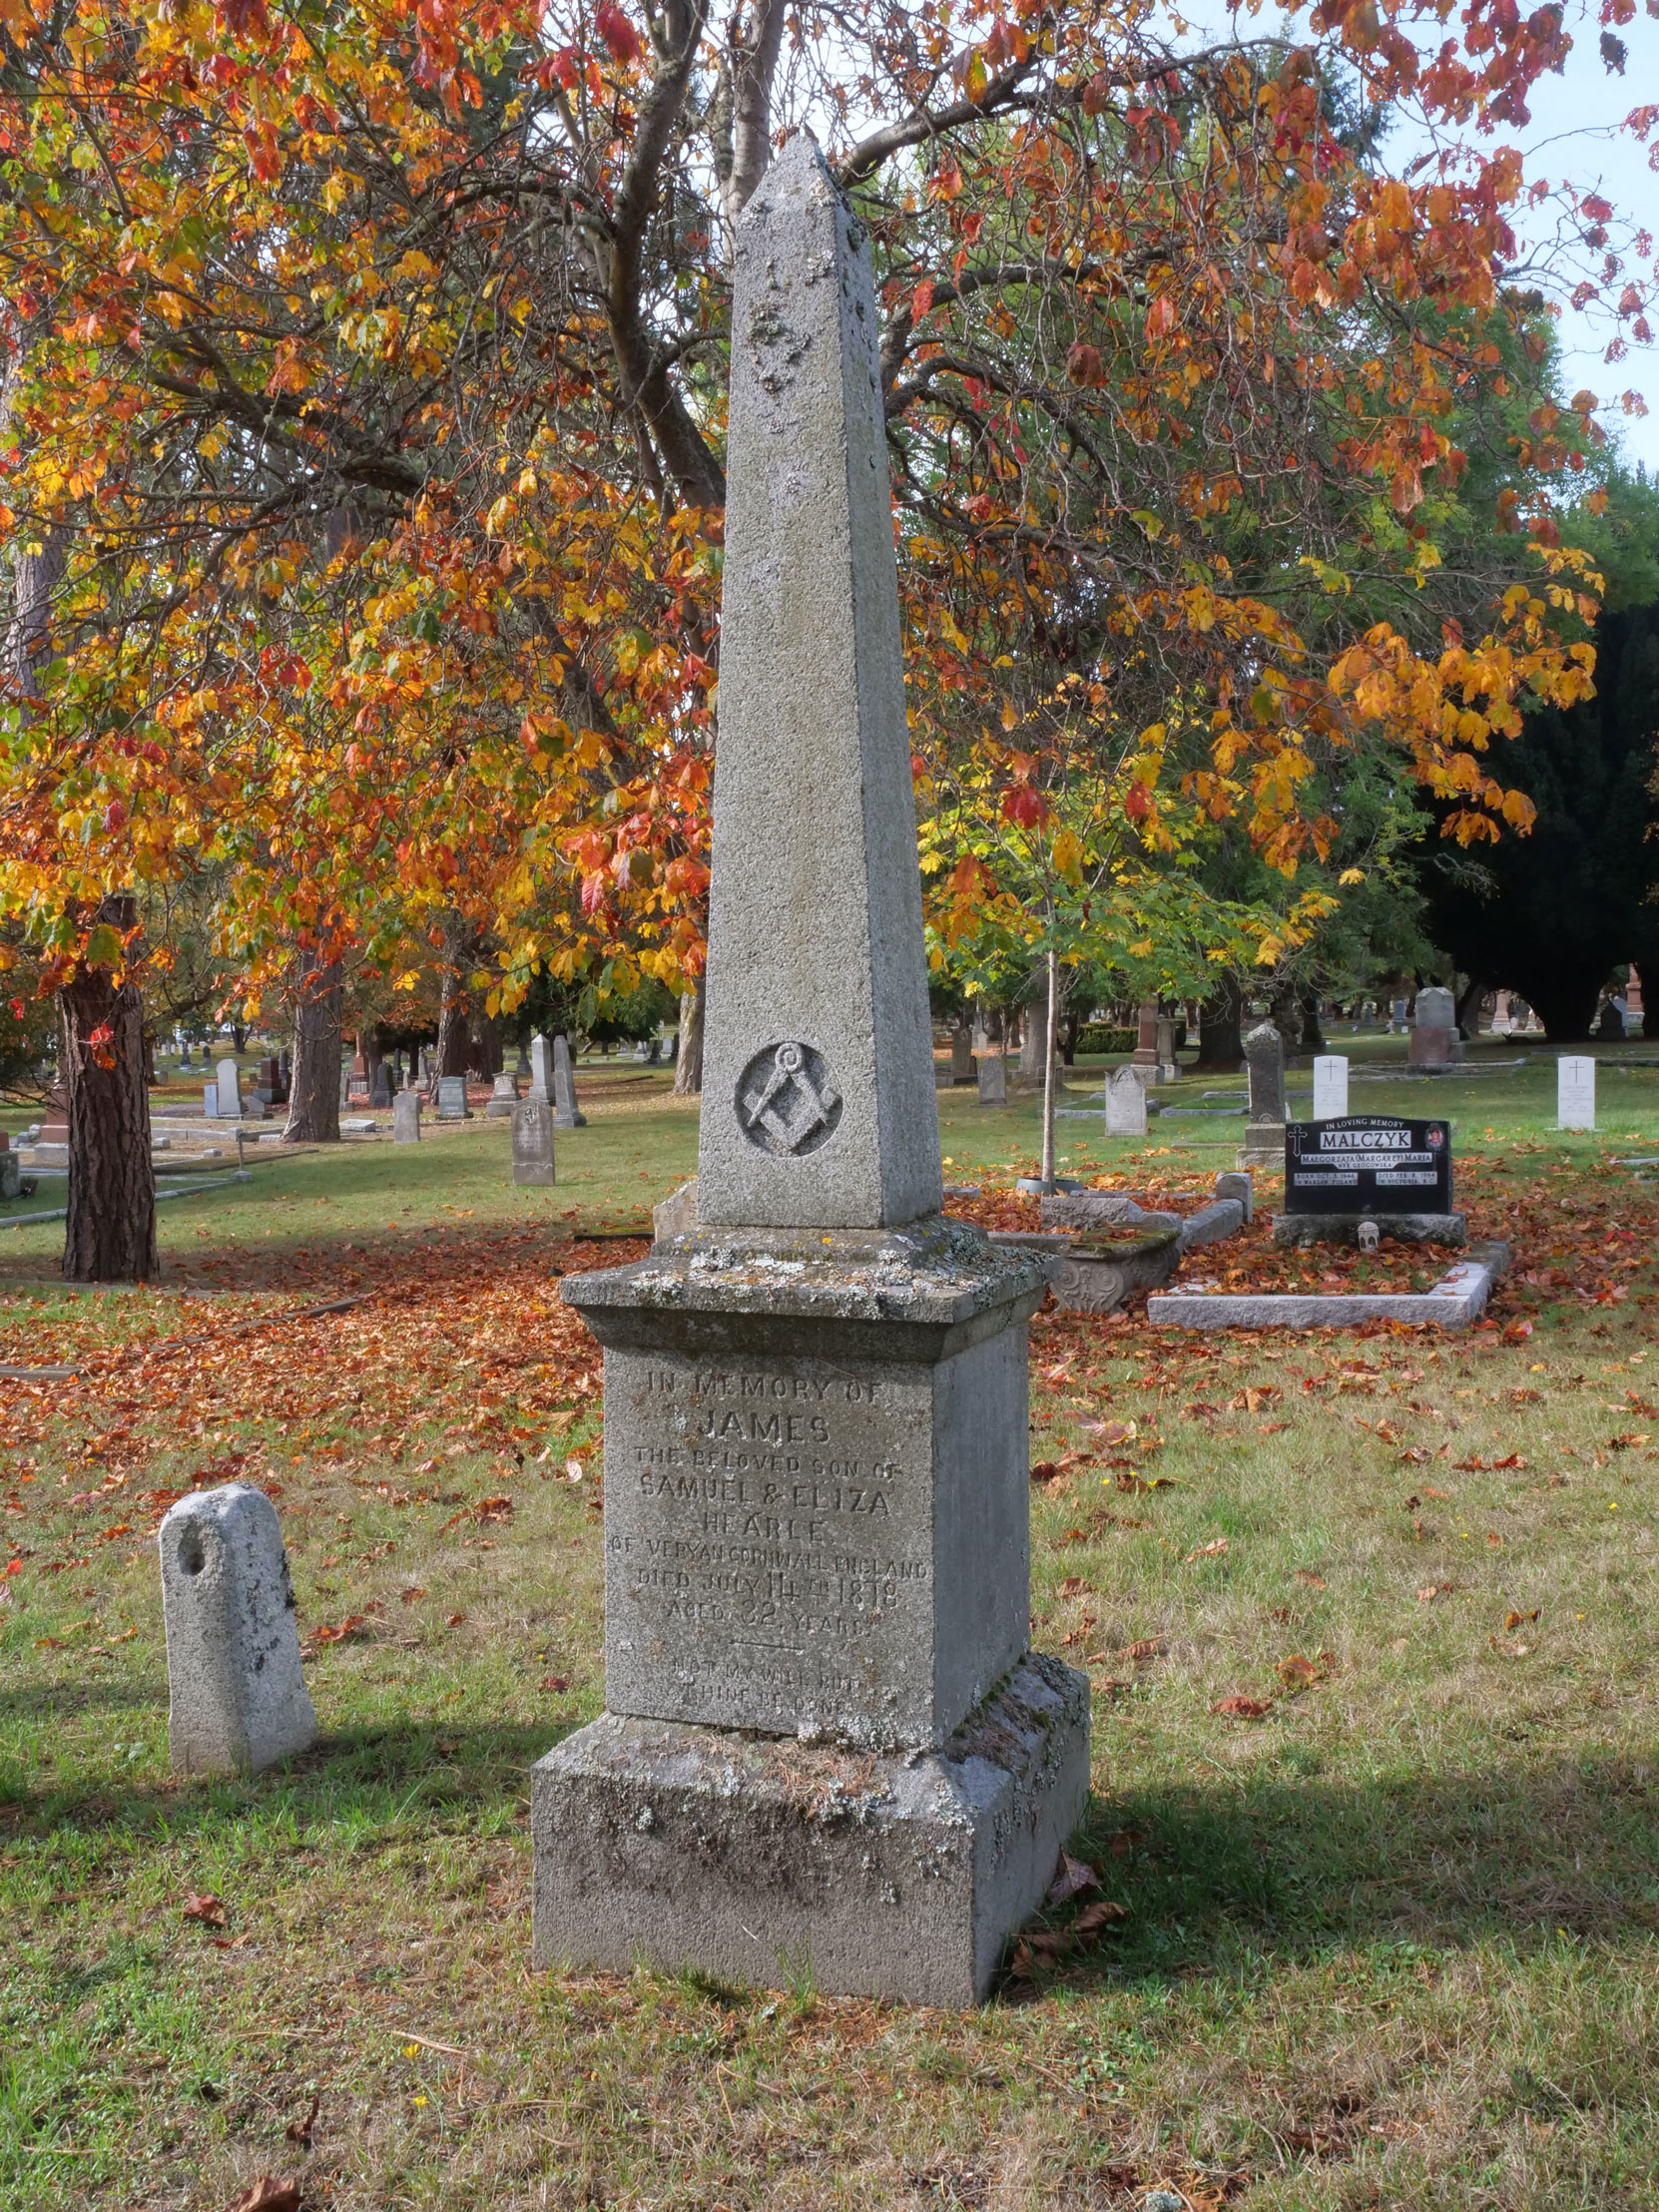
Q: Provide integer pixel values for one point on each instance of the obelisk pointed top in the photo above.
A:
(817, 1102)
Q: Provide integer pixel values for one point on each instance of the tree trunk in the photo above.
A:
(484, 1049)
(1312, 1032)
(454, 1034)
(1220, 1030)
(1468, 1009)
(109, 1231)
(314, 1088)
(1567, 1011)
(687, 1065)
(1050, 1028)
(1033, 1037)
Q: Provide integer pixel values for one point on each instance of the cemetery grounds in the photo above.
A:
(1371, 1619)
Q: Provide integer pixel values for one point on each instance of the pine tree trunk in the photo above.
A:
(1219, 1026)
(110, 1232)
(314, 1088)
(687, 1065)
(1312, 1032)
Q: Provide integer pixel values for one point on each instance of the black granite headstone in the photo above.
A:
(1367, 1164)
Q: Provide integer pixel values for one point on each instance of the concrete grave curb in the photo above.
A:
(1456, 1301)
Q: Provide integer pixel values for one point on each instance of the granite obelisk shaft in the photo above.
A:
(817, 1098)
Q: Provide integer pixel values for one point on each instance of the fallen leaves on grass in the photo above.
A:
(1312, 1579)
(301, 2131)
(206, 1908)
(340, 1632)
(1046, 1947)
(1211, 1550)
(1241, 1708)
(1433, 1591)
(498, 1509)
(1072, 1878)
(1298, 1672)
(267, 2194)
(1512, 1621)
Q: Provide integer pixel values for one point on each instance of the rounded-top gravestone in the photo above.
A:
(237, 1692)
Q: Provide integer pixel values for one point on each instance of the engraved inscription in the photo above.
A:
(786, 1103)
(769, 1551)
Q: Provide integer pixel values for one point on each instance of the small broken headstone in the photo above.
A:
(405, 1118)
(237, 1692)
(1236, 1183)
(503, 1098)
(993, 1079)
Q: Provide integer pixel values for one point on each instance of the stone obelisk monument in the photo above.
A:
(827, 1745)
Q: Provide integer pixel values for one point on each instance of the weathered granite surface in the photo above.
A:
(566, 1113)
(880, 1875)
(237, 1692)
(1089, 1210)
(818, 1103)
(1222, 1218)
(533, 1142)
(1238, 1183)
(1126, 1101)
(815, 1468)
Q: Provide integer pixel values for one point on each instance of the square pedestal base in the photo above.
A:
(763, 1859)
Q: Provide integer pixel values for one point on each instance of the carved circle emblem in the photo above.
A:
(786, 1104)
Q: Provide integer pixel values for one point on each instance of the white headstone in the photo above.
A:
(541, 1074)
(1126, 1103)
(1436, 1008)
(237, 1692)
(1576, 1091)
(993, 1079)
(1330, 1087)
(228, 1090)
(405, 1118)
(818, 1107)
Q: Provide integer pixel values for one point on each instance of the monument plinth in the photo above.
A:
(826, 1744)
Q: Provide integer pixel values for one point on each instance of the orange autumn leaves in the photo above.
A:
(370, 427)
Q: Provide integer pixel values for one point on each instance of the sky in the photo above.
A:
(1574, 138)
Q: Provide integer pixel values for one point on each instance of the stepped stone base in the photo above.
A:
(763, 1859)
(1343, 1228)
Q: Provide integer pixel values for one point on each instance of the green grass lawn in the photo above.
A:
(1391, 1943)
